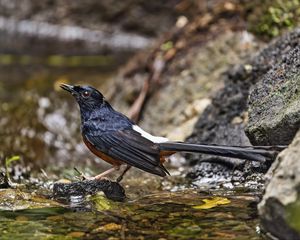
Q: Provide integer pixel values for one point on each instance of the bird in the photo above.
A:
(116, 139)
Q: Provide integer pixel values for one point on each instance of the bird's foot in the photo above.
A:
(82, 176)
(119, 179)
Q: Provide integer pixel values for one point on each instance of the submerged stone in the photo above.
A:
(112, 190)
(17, 199)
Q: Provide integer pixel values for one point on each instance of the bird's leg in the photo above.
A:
(102, 175)
(99, 176)
(119, 179)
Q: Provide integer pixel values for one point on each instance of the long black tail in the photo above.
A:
(252, 153)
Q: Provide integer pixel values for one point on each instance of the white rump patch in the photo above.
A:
(150, 137)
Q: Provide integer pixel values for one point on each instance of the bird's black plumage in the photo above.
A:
(113, 134)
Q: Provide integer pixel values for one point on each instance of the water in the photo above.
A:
(162, 215)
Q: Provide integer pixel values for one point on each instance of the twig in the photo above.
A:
(136, 108)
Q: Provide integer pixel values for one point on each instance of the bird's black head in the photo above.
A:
(87, 97)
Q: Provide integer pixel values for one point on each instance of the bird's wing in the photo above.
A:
(130, 147)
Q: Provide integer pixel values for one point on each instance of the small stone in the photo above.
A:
(21, 218)
(181, 21)
(76, 234)
(108, 227)
(112, 190)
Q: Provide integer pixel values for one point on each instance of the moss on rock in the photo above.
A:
(273, 17)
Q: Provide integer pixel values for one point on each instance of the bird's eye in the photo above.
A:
(86, 94)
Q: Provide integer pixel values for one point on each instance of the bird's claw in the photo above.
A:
(87, 178)
(82, 176)
(119, 179)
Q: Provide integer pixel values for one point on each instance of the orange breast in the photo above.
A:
(101, 155)
(164, 155)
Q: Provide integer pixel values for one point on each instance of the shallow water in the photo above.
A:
(162, 215)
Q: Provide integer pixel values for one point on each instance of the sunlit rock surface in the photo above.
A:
(280, 207)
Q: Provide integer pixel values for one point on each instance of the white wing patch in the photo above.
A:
(150, 137)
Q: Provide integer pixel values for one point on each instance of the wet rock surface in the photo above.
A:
(224, 121)
(112, 190)
(274, 102)
(20, 199)
(3, 181)
(280, 207)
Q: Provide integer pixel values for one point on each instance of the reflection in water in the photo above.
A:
(161, 215)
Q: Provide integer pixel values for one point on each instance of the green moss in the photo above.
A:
(166, 46)
(6, 59)
(268, 18)
(293, 214)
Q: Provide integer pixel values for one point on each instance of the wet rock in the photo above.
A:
(112, 190)
(19, 199)
(3, 181)
(279, 209)
(224, 121)
(274, 102)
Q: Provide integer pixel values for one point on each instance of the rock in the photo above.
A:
(274, 102)
(224, 121)
(186, 84)
(191, 113)
(279, 209)
(18, 199)
(3, 181)
(191, 79)
(112, 190)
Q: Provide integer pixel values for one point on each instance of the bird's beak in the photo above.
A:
(68, 88)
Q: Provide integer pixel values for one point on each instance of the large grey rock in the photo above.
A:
(279, 209)
(224, 121)
(274, 103)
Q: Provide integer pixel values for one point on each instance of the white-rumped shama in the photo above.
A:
(117, 140)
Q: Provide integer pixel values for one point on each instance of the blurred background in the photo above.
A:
(117, 46)
(45, 43)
